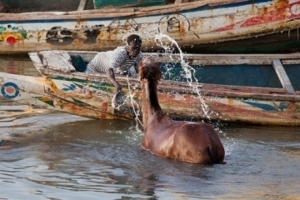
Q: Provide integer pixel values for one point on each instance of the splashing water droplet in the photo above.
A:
(189, 71)
(189, 74)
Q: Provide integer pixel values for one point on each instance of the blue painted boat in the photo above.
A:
(246, 88)
(202, 26)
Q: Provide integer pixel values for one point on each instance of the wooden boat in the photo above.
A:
(202, 26)
(253, 88)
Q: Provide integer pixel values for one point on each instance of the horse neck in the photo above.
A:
(150, 105)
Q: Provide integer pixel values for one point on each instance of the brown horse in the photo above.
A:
(186, 141)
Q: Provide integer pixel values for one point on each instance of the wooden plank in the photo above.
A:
(163, 57)
(57, 60)
(15, 108)
(82, 5)
(36, 60)
(102, 13)
(178, 1)
(283, 77)
(208, 89)
(228, 59)
(10, 124)
(223, 2)
(7, 118)
(202, 60)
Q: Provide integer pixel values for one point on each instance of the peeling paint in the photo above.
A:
(192, 27)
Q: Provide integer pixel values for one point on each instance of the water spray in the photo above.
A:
(189, 71)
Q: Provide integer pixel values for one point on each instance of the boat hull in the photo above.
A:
(90, 95)
(42, 92)
(249, 27)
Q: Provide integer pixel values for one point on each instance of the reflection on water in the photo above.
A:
(93, 159)
(18, 65)
(104, 160)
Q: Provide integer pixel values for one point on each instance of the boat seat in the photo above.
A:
(283, 77)
(57, 61)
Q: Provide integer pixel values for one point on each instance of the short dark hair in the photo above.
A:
(134, 38)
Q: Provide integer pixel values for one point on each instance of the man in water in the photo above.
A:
(122, 60)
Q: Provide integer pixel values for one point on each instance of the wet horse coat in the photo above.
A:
(186, 141)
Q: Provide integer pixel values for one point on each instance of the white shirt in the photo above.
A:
(116, 59)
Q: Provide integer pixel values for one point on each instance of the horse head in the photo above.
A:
(149, 69)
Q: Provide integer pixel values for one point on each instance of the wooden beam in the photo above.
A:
(228, 59)
(82, 5)
(15, 108)
(181, 1)
(103, 12)
(283, 77)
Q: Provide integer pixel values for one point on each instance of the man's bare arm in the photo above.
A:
(111, 76)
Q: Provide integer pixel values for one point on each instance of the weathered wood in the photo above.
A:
(11, 124)
(207, 89)
(222, 2)
(82, 5)
(193, 25)
(90, 95)
(101, 13)
(228, 59)
(57, 60)
(6, 118)
(111, 12)
(283, 77)
(234, 92)
(211, 59)
(108, 12)
(34, 56)
(178, 1)
(15, 108)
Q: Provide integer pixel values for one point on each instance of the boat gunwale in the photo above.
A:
(213, 90)
(118, 11)
(105, 12)
(255, 59)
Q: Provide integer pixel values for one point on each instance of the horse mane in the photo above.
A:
(151, 72)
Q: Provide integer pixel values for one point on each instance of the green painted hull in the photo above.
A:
(196, 27)
(219, 94)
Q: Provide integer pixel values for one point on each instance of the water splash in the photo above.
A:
(129, 97)
(189, 71)
(170, 45)
(135, 106)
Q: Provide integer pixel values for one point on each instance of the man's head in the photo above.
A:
(134, 45)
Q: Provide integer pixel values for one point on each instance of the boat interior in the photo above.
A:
(223, 74)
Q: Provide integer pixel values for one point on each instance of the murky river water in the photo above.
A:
(93, 159)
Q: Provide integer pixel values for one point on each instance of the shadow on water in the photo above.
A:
(89, 159)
